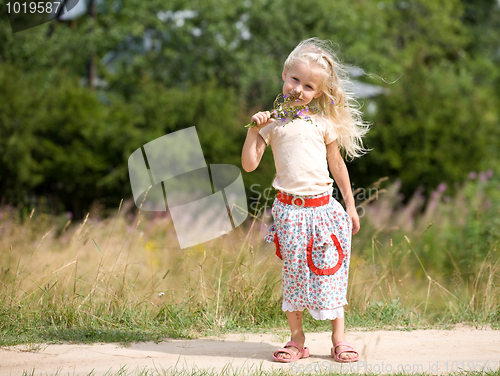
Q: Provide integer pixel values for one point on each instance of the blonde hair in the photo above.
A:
(337, 102)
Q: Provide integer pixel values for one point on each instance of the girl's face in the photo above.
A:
(303, 78)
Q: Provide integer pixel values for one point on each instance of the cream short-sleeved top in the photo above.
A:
(299, 150)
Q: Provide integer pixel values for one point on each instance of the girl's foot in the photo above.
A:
(341, 352)
(283, 355)
(349, 353)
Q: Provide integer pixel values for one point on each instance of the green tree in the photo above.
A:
(19, 170)
(54, 140)
(440, 120)
(211, 64)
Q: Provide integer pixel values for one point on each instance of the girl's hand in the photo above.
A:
(353, 214)
(261, 119)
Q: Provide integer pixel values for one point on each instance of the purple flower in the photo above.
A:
(333, 102)
(441, 187)
(483, 177)
(472, 175)
(275, 113)
(489, 174)
(283, 119)
(284, 95)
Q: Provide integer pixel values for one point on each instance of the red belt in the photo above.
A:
(300, 202)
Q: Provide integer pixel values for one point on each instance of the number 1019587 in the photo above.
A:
(33, 7)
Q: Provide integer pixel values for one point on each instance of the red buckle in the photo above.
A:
(298, 205)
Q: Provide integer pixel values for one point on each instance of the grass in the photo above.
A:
(122, 277)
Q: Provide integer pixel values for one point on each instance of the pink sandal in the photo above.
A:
(350, 349)
(303, 353)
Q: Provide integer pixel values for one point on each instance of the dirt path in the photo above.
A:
(431, 351)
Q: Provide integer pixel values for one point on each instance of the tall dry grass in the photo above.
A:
(439, 256)
(122, 276)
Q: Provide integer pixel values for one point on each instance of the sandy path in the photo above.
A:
(432, 351)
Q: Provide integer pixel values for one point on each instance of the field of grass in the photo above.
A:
(122, 277)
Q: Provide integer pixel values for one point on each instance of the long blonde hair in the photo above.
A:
(337, 103)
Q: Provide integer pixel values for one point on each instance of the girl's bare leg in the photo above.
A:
(297, 332)
(338, 334)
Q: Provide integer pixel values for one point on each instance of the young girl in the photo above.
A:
(311, 230)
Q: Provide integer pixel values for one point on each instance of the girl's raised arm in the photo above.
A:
(254, 146)
(253, 149)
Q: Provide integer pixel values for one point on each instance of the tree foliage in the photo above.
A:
(441, 118)
(212, 63)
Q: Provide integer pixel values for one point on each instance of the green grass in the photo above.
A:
(118, 278)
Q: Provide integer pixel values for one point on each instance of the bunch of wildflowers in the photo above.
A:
(284, 111)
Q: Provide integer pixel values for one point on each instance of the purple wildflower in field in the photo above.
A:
(489, 174)
(472, 175)
(441, 187)
(482, 177)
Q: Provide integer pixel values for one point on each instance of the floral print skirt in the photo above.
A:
(315, 246)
